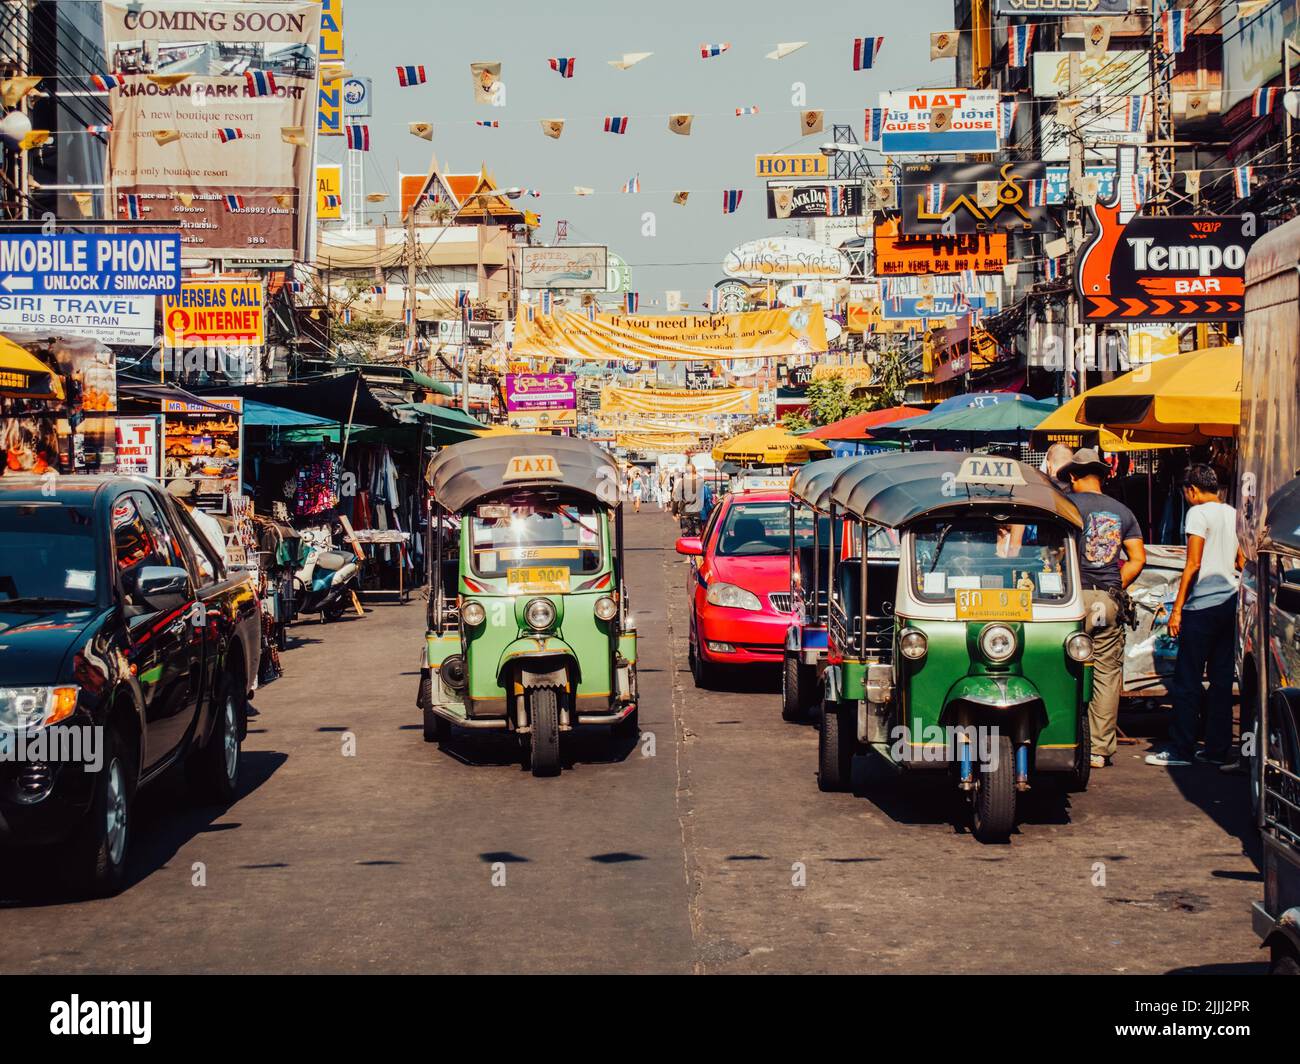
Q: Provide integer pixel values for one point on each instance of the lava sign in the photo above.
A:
(90, 263)
(1172, 269)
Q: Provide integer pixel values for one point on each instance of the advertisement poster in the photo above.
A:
(1113, 73)
(214, 314)
(814, 201)
(938, 121)
(213, 125)
(329, 117)
(138, 453)
(941, 296)
(939, 198)
(329, 183)
(541, 391)
(205, 446)
(563, 267)
(897, 254)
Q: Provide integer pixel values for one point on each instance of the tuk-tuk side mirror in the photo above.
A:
(692, 545)
(1288, 597)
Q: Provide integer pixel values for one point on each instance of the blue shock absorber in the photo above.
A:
(1022, 762)
(965, 762)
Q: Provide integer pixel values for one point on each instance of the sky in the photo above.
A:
(689, 243)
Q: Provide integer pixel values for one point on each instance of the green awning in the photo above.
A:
(445, 416)
(423, 380)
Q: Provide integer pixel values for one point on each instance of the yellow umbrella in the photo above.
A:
(1064, 421)
(1181, 399)
(24, 376)
(769, 446)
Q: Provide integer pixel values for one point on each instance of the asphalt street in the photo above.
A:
(356, 847)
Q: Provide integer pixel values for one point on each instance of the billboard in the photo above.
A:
(814, 201)
(572, 267)
(205, 446)
(197, 141)
(944, 198)
(1057, 8)
(356, 98)
(109, 319)
(329, 105)
(137, 446)
(1115, 73)
(897, 254)
(1103, 126)
(785, 258)
(938, 121)
(541, 391)
(329, 182)
(942, 296)
(214, 313)
(1252, 50)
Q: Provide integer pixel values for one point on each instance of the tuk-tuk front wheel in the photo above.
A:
(993, 805)
(544, 720)
(835, 748)
(1076, 781)
(798, 689)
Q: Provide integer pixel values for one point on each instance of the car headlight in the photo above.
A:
(998, 643)
(1079, 646)
(606, 608)
(35, 707)
(913, 643)
(473, 613)
(730, 595)
(540, 613)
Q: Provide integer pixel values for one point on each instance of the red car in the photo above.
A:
(740, 583)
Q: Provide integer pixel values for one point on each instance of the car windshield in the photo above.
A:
(47, 554)
(515, 535)
(986, 553)
(757, 529)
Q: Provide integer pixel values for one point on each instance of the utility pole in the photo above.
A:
(1162, 116)
(409, 301)
(1073, 226)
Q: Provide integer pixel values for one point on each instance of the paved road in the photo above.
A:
(684, 861)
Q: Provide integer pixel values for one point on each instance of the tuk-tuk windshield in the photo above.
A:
(509, 535)
(978, 553)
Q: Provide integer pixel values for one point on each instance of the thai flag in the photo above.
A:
(1019, 40)
(408, 315)
(708, 51)
(358, 138)
(529, 313)
(714, 300)
(865, 50)
(632, 184)
(234, 203)
(259, 82)
(134, 207)
(1175, 29)
(616, 124)
(1053, 269)
(227, 134)
(875, 123)
(534, 192)
(408, 346)
(934, 198)
(1262, 102)
(631, 301)
(375, 290)
(488, 125)
(834, 202)
(99, 130)
(1241, 176)
(1007, 117)
(332, 201)
(410, 75)
(346, 316)
(462, 297)
(107, 82)
(731, 199)
(746, 111)
(563, 65)
(1136, 111)
(296, 286)
(1038, 193)
(546, 302)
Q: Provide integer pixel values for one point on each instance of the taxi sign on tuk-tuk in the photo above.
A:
(532, 467)
(984, 469)
(995, 604)
(538, 579)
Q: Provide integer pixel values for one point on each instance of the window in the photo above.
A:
(513, 535)
(140, 538)
(47, 551)
(984, 553)
(759, 529)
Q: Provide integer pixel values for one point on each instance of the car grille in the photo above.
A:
(782, 601)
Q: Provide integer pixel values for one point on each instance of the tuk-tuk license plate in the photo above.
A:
(544, 579)
(995, 604)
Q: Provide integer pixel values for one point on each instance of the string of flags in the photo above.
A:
(358, 138)
(410, 75)
(632, 184)
(708, 51)
(746, 111)
(1020, 39)
(731, 200)
(616, 124)
(865, 51)
(562, 65)
(1261, 103)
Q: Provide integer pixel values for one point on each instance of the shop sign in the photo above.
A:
(956, 206)
(938, 121)
(214, 313)
(897, 254)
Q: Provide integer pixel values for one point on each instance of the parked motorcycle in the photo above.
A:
(325, 583)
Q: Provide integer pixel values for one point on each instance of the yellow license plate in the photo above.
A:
(995, 604)
(546, 579)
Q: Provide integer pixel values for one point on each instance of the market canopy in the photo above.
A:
(24, 376)
(1062, 425)
(264, 415)
(1007, 420)
(769, 446)
(858, 426)
(1179, 399)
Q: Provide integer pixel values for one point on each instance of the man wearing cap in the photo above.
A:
(1111, 554)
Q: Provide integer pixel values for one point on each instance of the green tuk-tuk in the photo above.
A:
(968, 652)
(528, 627)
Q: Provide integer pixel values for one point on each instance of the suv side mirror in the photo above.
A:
(162, 587)
(1288, 596)
(690, 545)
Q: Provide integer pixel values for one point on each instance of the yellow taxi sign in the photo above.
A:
(532, 467)
(538, 579)
(985, 469)
(995, 604)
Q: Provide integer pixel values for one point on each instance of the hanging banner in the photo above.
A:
(814, 201)
(568, 267)
(214, 134)
(615, 400)
(329, 117)
(918, 122)
(672, 337)
(329, 192)
(1175, 268)
(214, 313)
(897, 254)
(955, 207)
(138, 453)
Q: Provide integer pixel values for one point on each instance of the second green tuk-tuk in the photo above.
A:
(967, 653)
(528, 628)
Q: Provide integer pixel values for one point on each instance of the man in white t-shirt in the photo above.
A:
(1204, 621)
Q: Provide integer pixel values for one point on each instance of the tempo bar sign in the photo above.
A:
(86, 263)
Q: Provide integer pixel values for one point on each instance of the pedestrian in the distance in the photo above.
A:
(638, 489)
(1204, 621)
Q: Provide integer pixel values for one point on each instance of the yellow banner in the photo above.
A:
(672, 337)
(329, 94)
(329, 182)
(664, 442)
(219, 313)
(615, 400)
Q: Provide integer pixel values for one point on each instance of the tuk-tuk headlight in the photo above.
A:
(912, 644)
(998, 643)
(1079, 646)
(473, 614)
(736, 598)
(540, 613)
(606, 608)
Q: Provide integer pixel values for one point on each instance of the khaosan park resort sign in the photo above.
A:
(784, 258)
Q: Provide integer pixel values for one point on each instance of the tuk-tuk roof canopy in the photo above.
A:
(811, 483)
(920, 483)
(468, 471)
